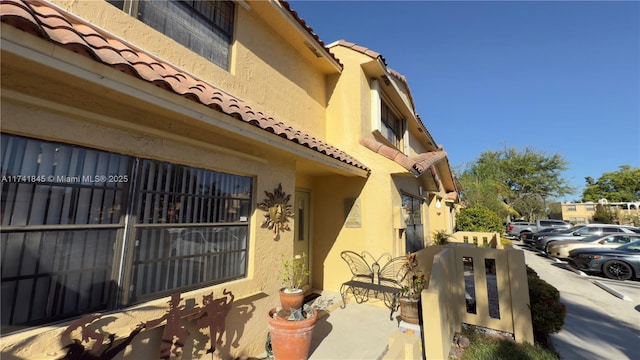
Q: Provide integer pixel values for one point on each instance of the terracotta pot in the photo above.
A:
(409, 310)
(291, 300)
(290, 340)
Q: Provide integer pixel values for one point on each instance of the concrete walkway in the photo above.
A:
(598, 325)
(359, 331)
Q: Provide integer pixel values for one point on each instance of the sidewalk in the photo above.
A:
(598, 325)
(357, 332)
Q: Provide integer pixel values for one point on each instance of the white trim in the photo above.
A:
(376, 107)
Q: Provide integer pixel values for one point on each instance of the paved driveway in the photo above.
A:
(598, 325)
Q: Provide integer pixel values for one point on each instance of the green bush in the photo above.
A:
(547, 312)
(485, 347)
(505, 242)
(479, 218)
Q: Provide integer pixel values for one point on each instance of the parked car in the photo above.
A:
(560, 249)
(584, 231)
(527, 238)
(621, 263)
(518, 228)
(514, 228)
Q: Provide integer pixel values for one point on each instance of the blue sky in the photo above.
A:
(559, 77)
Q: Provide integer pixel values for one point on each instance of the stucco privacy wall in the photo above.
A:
(262, 61)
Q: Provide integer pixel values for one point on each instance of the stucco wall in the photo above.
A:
(253, 294)
(265, 70)
(50, 104)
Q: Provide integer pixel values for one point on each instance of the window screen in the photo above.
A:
(205, 27)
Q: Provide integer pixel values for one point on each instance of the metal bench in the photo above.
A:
(371, 279)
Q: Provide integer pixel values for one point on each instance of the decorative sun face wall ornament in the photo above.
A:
(278, 211)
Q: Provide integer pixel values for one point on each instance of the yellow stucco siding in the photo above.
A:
(349, 106)
(257, 286)
(54, 94)
(265, 70)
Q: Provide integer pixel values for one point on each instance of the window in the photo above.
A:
(392, 128)
(414, 233)
(571, 208)
(63, 215)
(551, 223)
(589, 207)
(205, 27)
(180, 241)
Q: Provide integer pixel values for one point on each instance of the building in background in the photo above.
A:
(627, 213)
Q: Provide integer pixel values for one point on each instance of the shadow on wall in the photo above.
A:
(204, 337)
(186, 330)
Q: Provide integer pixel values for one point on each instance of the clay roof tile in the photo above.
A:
(44, 21)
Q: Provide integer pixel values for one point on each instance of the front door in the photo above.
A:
(302, 226)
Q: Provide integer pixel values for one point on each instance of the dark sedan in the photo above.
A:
(528, 238)
(621, 263)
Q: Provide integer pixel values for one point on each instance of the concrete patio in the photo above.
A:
(359, 331)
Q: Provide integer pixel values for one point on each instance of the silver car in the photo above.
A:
(560, 249)
(583, 231)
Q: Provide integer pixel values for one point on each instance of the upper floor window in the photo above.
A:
(386, 119)
(392, 125)
(205, 27)
(590, 207)
(571, 208)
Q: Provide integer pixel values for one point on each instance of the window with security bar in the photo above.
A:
(72, 216)
(414, 232)
(205, 27)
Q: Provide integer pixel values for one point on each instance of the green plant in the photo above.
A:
(293, 272)
(479, 218)
(488, 347)
(505, 242)
(440, 237)
(547, 312)
(413, 280)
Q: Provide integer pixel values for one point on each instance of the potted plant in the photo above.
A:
(290, 332)
(413, 282)
(291, 325)
(292, 274)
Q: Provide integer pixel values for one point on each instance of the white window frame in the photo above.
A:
(377, 127)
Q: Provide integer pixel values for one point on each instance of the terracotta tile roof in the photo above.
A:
(452, 195)
(361, 49)
(417, 165)
(375, 55)
(303, 23)
(43, 20)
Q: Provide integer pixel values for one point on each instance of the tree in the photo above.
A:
(480, 190)
(522, 180)
(478, 218)
(604, 215)
(617, 186)
(555, 211)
